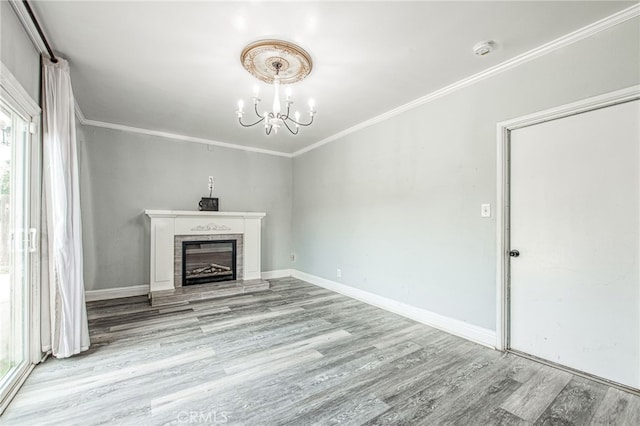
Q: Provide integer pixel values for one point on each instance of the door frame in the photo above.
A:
(504, 129)
(12, 92)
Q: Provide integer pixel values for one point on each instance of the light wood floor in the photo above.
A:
(298, 355)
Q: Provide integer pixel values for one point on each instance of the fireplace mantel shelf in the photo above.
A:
(187, 213)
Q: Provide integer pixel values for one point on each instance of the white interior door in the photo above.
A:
(575, 221)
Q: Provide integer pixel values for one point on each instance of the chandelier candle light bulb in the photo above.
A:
(240, 105)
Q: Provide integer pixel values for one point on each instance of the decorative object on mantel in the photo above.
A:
(276, 62)
(209, 204)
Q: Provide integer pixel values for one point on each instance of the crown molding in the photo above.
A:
(79, 114)
(27, 23)
(559, 43)
(86, 122)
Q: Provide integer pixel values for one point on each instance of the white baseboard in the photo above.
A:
(280, 273)
(115, 293)
(140, 290)
(459, 328)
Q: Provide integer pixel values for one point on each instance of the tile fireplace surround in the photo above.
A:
(169, 228)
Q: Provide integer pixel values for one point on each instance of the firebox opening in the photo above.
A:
(208, 261)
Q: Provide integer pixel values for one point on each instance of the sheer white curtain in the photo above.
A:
(64, 324)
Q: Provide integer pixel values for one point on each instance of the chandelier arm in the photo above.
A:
(268, 129)
(249, 125)
(289, 128)
(255, 108)
(303, 124)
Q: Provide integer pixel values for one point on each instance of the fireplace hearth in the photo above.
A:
(208, 261)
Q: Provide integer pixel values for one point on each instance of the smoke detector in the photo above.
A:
(483, 48)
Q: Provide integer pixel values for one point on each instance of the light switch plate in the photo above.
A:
(485, 210)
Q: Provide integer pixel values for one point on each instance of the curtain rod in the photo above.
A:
(42, 37)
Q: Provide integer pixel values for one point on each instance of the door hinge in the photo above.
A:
(33, 128)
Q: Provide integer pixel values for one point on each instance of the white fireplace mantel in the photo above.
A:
(166, 224)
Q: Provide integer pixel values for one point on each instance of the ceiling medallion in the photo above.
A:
(276, 62)
(260, 56)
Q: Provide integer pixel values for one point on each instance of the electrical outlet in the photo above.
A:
(339, 273)
(485, 210)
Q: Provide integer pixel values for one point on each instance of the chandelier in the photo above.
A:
(276, 62)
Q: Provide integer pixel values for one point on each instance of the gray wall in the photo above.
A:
(123, 173)
(18, 53)
(396, 206)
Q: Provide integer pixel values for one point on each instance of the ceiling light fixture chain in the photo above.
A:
(276, 62)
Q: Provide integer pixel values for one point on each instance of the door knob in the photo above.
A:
(514, 253)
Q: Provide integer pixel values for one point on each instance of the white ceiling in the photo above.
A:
(174, 66)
